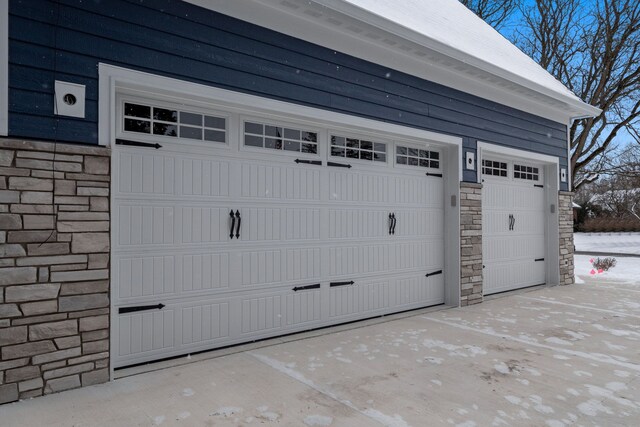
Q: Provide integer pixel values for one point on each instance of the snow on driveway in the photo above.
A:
(620, 243)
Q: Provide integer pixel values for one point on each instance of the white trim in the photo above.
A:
(114, 78)
(551, 186)
(4, 68)
(569, 180)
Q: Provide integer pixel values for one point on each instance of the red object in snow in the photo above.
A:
(599, 270)
(592, 271)
(591, 260)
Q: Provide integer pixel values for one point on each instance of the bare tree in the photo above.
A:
(493, 12)
(594, 49)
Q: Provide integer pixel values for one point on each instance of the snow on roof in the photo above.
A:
(450, 23)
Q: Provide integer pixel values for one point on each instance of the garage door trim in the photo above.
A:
(121, 81)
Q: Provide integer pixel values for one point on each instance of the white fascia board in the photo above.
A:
(114, 79)
(270, 15)
(408, 34)
(4, 67)
(515, 152)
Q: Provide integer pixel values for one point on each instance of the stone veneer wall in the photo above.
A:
(470, 243)
(54, 267)
(565, 222)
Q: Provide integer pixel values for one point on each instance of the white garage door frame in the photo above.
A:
(551, 187)
(121, 81)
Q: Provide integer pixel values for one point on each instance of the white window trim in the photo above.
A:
(4, 68)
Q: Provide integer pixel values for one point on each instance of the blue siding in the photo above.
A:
(65, 40)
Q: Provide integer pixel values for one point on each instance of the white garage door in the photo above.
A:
(513, 224)
(264, 228)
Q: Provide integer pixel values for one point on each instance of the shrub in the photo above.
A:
(603, 264)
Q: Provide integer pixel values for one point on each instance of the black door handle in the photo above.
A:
(513, 224)
(239, 221)
(395, 221)
(233, 223)
(390, 223)
(510, 222)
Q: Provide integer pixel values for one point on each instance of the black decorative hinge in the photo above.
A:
(539, 259)
(309, 162)
(334, 284)
(137, 143)
(304, 288)
(140, 308)
(439, 175)
(433, 274)
(338, 165)
(538, 186)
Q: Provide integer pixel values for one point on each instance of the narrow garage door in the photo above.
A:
(513, 223)
(278, 229)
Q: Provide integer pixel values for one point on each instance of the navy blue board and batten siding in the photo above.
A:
(66, 40)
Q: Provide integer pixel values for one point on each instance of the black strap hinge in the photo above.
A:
(304, 288)
(433, 274)
(439, 175)
(137, 143)
(309, 162)
(334, 284)
(123, 310)
(539, 259)
(338, 165)
(538, 186)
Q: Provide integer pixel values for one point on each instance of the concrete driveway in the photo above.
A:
(556, 356)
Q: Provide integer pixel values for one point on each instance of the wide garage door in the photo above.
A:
(513, 224)
(239, 228)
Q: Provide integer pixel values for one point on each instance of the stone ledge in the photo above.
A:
(61, 148)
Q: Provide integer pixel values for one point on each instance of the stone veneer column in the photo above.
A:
(565, 223)
(470, 243)
(54, 267)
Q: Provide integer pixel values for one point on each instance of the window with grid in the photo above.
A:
(149, 119)
(417, 157)
(354, 148)
(264, 135)
(491, 167)
(529, 173)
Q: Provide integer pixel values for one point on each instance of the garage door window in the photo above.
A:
(529, 173)
(354, 148)
(149, 119)
(417, 157)
(490, 167)
(274, 137)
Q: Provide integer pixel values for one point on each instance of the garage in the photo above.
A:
(514, 223)
(230, 227)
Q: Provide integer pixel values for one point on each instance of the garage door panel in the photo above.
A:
(524, 273)
(506, 247)
(144, 173)
(418, 291)
(419, 223)
(420, 190)
(287, 183)
(204, 322)
(146, 332)
(170, 275)
(356, 223)
(366, 297)
(359, 187)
